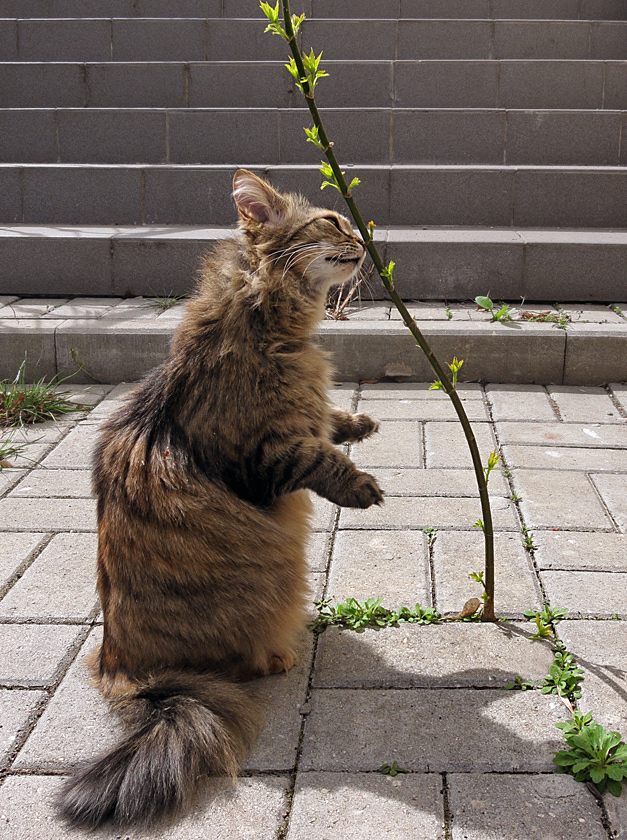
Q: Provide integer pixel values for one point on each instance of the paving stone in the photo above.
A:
(61, 583)
(446, 445)
(511, 402)
(575, 551)
(368, 312)
(396, 444)
(9, 478)
(613, 489)
(392, 565)
(29, 456)
(547, 807)
(549, 501)
(84, 307)
(411, 656)
(435, 730)
(585, 435)
(458, 553)
(620, 391)
(424, 512)
(76, 450)
(427, 311)
(587, 593)
(318, 551)
(342, 394)
(592, 313)
(366, 805)
(566, 458)
(617, 813)
(600, 648)
(452, 482)
(411, 409)
(578, 404)
(15, 709)
(51, 515)
(324, 513)
(15, 549)
(55, 484)
(417, 391)
(76, 723)
(30, 654)
(48, 432)
(282, 696)
(248, 808)
(31, 307)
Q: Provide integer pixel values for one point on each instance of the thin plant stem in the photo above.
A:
(447, 385)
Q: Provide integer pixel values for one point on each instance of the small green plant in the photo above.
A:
(358, 615)
(165, 302)
(493, 459)
(564, 676)
(505, 312)
(562, 319)
(549, 615)
(528, 539)
(594, 755)
(10, 449)
(21, 403)
(391, 769)
(455, 367)
(518, 684)
(431, 534)
(616, 308)
(449, 313)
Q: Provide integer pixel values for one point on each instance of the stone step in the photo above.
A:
(432, 263)
(243, 39)
(525, 196)
(514, 9)
(402, 136)
(554, 84)
(115, 341)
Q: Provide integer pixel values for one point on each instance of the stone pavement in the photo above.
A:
(432, 698)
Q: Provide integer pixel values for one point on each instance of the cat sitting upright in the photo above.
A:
(203, 510)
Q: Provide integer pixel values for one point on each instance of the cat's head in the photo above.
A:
(315, 245)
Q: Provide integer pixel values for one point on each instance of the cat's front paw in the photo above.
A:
(364, 492)
(363, 426)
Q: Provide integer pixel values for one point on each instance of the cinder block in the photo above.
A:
(446, 84)
(154, 266)
(569, 138)
(159, 40)
(8, 40)
(602, 10)
(447, 195)
(10, 194)
(544, 83)
(224, 136)
(28, 136)
(534, 9)
(608, 39)
(190, 195)
(136, 85)
(346, 88)
(351, 40)
(356, 9)
(50, 260)
(460, 731)
(241, 40)
(448, 136)
(586, 197)
(541, 39)
(241, 84)
(596, 354)
(112, 136)
(365, 802)
(456, 9)
(444, 39)
(345, 127)
(82, 195)
(64, 40)
(42, 85)
(250, 8)
(518, 804)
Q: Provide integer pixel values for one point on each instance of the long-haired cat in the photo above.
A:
(202, 479)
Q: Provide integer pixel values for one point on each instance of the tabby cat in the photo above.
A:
(203, 510)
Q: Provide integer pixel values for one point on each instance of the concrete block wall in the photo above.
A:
(490, 137)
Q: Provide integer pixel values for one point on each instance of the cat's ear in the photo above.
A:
(256, 200)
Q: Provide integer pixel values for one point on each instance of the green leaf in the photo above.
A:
(614, 787)
(597, 774)
(616, 772)
(484, 303)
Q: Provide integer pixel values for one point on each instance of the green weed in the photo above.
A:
(519, 684)
(391, 769)
(505, 312)
(21, 404)
(564, 676)
(594, 755)
(358, 615)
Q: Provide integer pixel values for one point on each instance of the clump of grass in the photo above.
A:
(341, 296)
(10, 449)
(164, 302)
(22, 403)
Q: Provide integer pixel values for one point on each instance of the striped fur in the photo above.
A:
(203, 511)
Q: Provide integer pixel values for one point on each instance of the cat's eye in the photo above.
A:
(333, 221)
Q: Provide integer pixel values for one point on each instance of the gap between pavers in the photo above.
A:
(33, 654)
(16, 708)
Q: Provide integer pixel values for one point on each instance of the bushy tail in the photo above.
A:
(180, 727)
